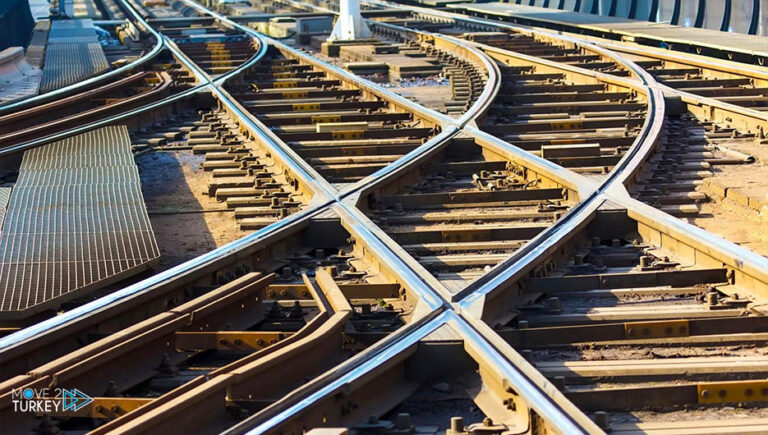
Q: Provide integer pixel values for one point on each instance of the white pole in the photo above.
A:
(349, 24)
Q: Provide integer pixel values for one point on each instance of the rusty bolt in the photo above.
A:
(705, 394)
(712, 298)
(601, 419)
(721, 393)
(645, 261)
(457, 424)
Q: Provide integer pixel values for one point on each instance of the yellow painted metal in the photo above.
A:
(295, 94)
(228, 340)
(351, 134)
(657, 329)
(326, 118)
(305, 107)
(566, 125)
(102, 407)
(113, 407)
(284, 84)
(283, 75)
(732, 392)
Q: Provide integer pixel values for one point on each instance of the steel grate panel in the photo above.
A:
(73, 54)
(75, 218)
(5, 196)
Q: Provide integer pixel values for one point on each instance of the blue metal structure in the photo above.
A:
(740, 16)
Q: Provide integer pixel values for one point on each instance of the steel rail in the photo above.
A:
(594, 203)
(641, 147)
(435, 117)
(613, 187)
(618, 179)
(287, 153)
(191, 265)
(493, 81)
(540, 396)
(205, 83)
(327, 383)
(6, 151)
(147, 285)
(438, 118)
(623, 170)
(62, 321)
(615, 49)
(562, 223)
(322, 388)
(92, 80)
(478, 108)
(269, 139)
(202, 78)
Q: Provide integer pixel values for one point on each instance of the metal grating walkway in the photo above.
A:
(5, 196)
(76, 220)
(73, 54)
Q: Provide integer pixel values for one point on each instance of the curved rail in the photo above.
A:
(466, 307)
(27, 102)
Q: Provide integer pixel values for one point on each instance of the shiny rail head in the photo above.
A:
(406, 371)
(461, 208)
(318, 266)
(658, 250)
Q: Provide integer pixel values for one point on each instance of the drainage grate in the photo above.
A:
(73, 54)
(76, 221)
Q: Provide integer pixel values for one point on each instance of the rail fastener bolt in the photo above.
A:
(601, 420)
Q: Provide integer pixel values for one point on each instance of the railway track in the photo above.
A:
(466, 209)
(639, 333)
(343, 132)
(577, 122)
(154, 76)
(243, 176)
(284, 305)
(502, 242)
(214, 48)
(130, 92)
